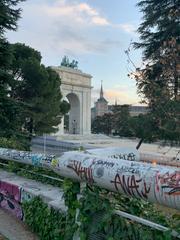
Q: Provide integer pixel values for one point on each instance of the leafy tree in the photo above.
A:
(30, 98)
(159, 78)
(9, 108)
(143, 127)
(107, 123)
(102, 124)
(159, 34)
(38, 88)
(121, 119)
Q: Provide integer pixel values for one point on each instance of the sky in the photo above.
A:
(94, 32)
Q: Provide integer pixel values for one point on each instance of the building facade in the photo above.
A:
(100, 106)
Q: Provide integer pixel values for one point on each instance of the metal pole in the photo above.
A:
(160, 159)
(147, 223)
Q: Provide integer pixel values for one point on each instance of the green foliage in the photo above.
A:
(9, 120)
(144, 127)
(39, 90)
(103, 124)
(175, 222)
(32, 172)
(116, 122)
(95, 215)
(121, 119)
(97, 218)
(9, 15)
(48, 223)
(28, 89)
(11, 143)
(158, 81)
(71, 190)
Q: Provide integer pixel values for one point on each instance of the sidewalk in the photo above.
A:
(11, 212)
(14, 229)
(2, 238)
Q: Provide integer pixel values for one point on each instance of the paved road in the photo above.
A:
(13, 229)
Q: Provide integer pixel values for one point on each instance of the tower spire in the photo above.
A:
(115, 102)
(101, 92)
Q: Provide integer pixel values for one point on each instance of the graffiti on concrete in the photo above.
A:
(104, 163)
(47, 159)
(85, 173)
(128, 169)
(36, 159)
(54, 162)
(10, 196)
(25, 196)
(157, 184)
(126, 156)
(129, 154)
(168, 183)
(131, 185)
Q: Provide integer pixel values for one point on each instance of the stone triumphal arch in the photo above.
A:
(76, 87)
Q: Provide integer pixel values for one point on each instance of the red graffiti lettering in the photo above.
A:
(82, 172)
(169, 183)
(131, 186)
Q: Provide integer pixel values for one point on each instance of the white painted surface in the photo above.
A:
(153, 183)
(76, 86)
(157, 184)
(130, 154)
(49, 194)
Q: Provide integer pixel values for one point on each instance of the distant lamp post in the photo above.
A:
(44, 147)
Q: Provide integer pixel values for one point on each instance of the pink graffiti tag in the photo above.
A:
(10, 196)
(130, 185)
(82, 172)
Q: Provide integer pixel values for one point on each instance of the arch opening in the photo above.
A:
(72, 119)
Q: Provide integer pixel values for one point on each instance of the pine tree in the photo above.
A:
(121, 118)
(38, 89)
(159, 79)
(103, 124)
(9, 108)
(30, 98)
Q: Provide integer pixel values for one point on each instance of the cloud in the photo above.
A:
(100, 21)
(63, 27)
(121, 94)
(129, 28)
(88, 9)
(77, 12)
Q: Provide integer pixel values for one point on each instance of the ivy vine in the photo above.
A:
(95, 217)
(71, 190)
(98, 219)
(91, 215)
(48, 223)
